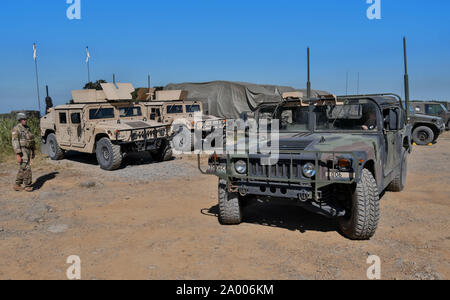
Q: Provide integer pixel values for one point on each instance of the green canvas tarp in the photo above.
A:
(227, 99)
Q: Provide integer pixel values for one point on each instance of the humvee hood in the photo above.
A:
(125, 124)
(329, 142)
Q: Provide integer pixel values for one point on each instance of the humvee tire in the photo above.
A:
(163, 154)
(423, 135)
(53, 149)
(365, 214)
(230, 209)
(109, 156)
(399, 182)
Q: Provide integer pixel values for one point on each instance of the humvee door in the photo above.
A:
(62, 128)
(393, 138)
(77, 136)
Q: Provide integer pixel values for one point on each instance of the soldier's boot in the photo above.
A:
(17, 188)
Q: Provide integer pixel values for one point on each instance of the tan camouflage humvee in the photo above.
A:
(172, 108)
(105, 122)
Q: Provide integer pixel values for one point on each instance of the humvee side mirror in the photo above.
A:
(393, 120)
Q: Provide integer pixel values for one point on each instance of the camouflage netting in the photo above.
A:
(226, 99)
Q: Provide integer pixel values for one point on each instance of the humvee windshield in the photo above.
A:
(131, 111)
(353, 116)
(101, 113)
(175, 109)
(192, 108)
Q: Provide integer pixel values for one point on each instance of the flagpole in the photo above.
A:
(87, 62)
(89, 72)
(37, 76)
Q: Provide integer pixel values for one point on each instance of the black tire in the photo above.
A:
(182, 140)
(109, 156)
(362, 222)
(54, 151)
(163, 154)
(230, 209)
(399, 182)
(423, 135)
(448, 126)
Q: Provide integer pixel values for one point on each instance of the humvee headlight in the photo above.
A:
(309, 170)
(240, 166)
(344, 164)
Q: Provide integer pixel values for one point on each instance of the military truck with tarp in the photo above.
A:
(434, 109)
(105, 122)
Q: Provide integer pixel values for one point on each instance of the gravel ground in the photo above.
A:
(159, 221)
(135, 168)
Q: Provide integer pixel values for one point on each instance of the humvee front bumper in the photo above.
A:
(145, 138)
(285, 179)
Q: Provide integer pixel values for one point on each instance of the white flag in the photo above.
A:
(87, 55)
(34, 52)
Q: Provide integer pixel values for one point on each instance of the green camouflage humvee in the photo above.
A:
(336, 158)
(425, 129)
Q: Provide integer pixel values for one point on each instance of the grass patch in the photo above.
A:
(6, 126)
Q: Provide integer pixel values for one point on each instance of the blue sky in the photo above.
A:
(198, 40)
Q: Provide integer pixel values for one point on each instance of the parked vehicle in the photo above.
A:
(432, 109)
(171, 108)
(425, 129)
(106, 123)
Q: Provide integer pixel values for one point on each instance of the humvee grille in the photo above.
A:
(281, 170)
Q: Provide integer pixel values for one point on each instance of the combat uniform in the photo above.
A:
(24, 145)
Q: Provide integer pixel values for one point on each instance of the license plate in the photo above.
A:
(336, 174)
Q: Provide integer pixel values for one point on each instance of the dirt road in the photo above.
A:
(132, 224)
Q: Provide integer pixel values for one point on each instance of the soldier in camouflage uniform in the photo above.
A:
(24, 147)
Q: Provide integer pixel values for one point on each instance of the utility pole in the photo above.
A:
(346, 85)
(308, 84)
(357, 88)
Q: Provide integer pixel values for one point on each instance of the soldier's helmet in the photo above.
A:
(21, 116)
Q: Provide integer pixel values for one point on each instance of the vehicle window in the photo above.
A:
(75, 118)
(293, 118)
(433, 109)
(192, 108)
(62, 118)
(132, 111)
(266, 113)
(391, 118)
(358, 115)
(101, 113)
(155, 113)
(175, 109)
